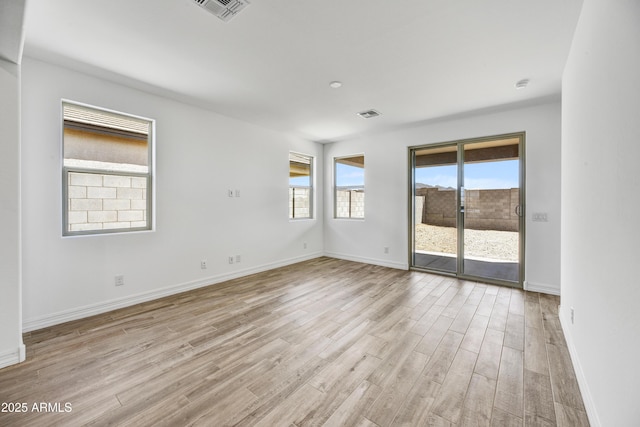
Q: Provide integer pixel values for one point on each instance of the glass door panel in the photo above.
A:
(467, 208)
(490, 207)
(435, 183)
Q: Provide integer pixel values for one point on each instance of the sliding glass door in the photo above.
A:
(467, 208)
(435, 196)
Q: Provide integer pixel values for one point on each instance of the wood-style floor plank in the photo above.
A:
(563, 379)
(488, 363)
(323, 342)
(510, 389)
(417, 405)
(395, 387)
(478, 404)
(349, 412)
(570, 417)
(538, 398)
(501, 418)
(449, 401)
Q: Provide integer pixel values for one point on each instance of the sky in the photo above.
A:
(345, 176)
(299, 181)
(349, 175)
(486, 175)
(479, 176)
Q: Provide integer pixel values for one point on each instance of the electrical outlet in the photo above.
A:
(231, 260)
(304, 245)
(119, 280)
(203, 264)
(386, 249)
(237, 193)
(572, 315)
(238, 258)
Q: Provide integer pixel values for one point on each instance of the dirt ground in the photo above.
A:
(498, 245)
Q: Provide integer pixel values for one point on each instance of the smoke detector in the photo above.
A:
(223, 9)
(369, 114)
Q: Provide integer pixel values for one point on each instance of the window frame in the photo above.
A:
(150, 175)
(311, 187)
(335, 187)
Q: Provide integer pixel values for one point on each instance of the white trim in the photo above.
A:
(374, 261)
(13, 357)
(592, 413)
(542, 288)
(103, 307)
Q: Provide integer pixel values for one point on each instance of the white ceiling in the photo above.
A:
(412, 60)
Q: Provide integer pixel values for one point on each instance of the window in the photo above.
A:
(349, 179)
(300, 186)
(107, 170)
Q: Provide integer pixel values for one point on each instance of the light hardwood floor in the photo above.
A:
(323, 342)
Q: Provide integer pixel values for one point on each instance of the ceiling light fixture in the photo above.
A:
(521, 84)
(368, 114)
(335, 84)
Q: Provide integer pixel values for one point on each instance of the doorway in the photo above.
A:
(467, 208)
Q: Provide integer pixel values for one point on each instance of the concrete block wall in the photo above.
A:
(492, 209)
(439, 206)
(103, 202)
(300, 201)
(349, 201)
(484, 209)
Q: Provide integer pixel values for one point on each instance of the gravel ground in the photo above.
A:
(498, 245)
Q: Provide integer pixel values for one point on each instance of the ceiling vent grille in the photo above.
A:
(223, 9)
(369, 114)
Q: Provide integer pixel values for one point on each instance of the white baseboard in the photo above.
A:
(12, 357)
(542, 288)
(374, 261)
(103, 307)
(592, 414)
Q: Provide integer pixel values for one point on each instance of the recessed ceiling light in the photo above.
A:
(335, 84)
(521, 84)
(368, 114)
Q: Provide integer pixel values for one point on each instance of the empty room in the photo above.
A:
(296, 213)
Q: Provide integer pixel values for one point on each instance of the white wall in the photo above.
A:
(11, 347)
(66, 278)
(386, 182)
(600, 252)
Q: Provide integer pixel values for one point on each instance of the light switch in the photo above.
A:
(540, 217)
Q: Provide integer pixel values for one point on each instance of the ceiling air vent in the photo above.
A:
(368, 114)
(223, 9)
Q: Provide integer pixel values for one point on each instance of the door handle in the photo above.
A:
(518, 210)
